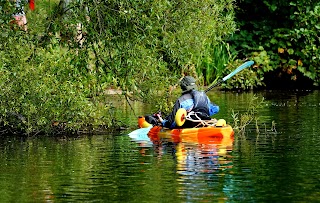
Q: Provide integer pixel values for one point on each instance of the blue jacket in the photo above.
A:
(192, 101)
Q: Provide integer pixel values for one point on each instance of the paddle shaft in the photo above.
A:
(211, 87)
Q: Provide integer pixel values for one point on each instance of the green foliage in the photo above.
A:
(49, 93)
(214, 62)
(144, 44)
(6, 10)
(284, 38)
(306, 36)
(54, 76)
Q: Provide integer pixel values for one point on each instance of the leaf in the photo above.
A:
(302, 69)
(273, 41)
(292, 62)
(290, 51)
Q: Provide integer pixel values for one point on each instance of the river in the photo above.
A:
(276, 159)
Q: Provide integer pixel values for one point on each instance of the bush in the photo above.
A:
(47, 92)
(282, 40)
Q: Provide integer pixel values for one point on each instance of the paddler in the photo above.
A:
(191, 100)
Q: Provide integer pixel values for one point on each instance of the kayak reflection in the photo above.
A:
(196, 150)
(195, 154)
(202, 163)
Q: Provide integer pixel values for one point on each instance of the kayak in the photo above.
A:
(197, 135)
(212, 142)
(204, 135)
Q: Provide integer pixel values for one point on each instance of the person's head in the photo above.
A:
(187, 84)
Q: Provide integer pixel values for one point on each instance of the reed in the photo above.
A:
(214, 62)
(242, 120)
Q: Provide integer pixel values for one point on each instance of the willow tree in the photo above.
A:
(51, 78)
(143, 45)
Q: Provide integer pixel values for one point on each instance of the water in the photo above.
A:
(274, 165)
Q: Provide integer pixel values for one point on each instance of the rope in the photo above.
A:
(202, 123)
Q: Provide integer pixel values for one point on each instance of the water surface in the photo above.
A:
(281, 163)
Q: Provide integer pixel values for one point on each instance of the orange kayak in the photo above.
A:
(204, 135)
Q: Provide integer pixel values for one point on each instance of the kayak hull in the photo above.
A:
(203, 135)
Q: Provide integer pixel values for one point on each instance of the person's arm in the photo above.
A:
(169, 120)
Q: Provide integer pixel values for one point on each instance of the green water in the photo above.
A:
(281, 165)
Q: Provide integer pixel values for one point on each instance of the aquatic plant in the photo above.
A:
(242, 120)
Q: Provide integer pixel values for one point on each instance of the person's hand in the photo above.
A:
(158, 115)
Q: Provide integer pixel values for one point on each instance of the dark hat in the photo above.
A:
(188, 83)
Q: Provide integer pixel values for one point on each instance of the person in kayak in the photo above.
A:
(191, 100)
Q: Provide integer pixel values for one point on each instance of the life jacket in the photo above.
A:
(201, 104)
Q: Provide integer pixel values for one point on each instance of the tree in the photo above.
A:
(137, 46)
(150, 40)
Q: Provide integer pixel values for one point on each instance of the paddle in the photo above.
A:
(140, 133)
(240, 68)
(144, 131)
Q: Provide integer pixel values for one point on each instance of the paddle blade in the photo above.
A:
(141, 133)
(240, 68)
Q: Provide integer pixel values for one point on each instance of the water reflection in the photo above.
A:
(197, 159)
(201, 163)
(265, 167)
